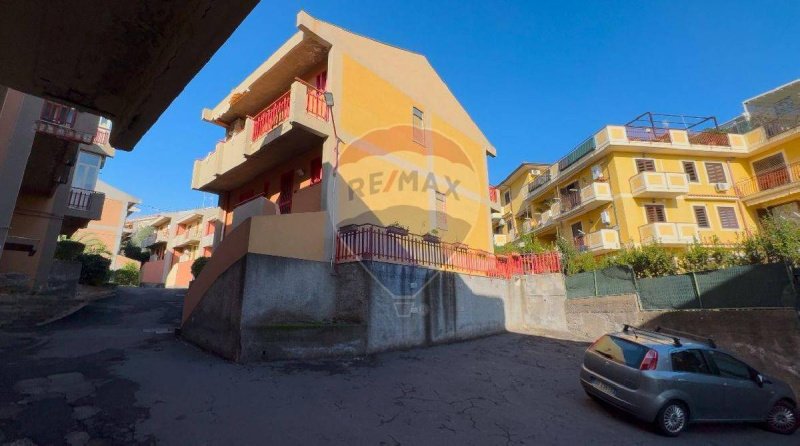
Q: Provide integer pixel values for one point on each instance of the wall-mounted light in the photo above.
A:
(329, 99)
(299, 172)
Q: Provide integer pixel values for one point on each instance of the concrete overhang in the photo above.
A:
(191, 216)
(302, 52)
(160, 221)
(125, 60)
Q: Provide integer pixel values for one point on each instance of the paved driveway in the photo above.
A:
(114, 374)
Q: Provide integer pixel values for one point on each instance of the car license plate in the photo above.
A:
(603, 387)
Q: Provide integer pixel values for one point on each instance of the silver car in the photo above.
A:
(674, 380)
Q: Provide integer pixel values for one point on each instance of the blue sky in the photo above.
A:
(537, 77)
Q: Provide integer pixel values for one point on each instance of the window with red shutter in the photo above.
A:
(701, 216)
(645, 165)
(655, 213)
(316, 170)
(727, 217)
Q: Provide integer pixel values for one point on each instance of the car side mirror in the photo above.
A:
(760, 380)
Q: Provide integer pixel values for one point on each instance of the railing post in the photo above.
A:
(696, 289)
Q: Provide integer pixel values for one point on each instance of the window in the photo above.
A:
(645, 165)
(729, 367)
(655, 213)
(316, 170)
(690, 361)
(691, 171)
(701, 217)
(207, 251)
(727, 217)
(58, 114)
(418, 125)
(86, 170)
(507, 197)
(716, 173)
(620, 350)
(441, 211)
(209, 227)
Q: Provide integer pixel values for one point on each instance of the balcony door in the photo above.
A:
(287, 188)
(771, 172)
(570, 197)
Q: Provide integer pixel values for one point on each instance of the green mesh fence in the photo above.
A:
(746, 287)
(606, 282)
(668, 292)
(752, 286)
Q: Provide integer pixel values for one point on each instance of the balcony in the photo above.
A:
(190, 237)
(547, 219)
(538, 182)
(84, 204)
(659, 184)
(778, 183)
(159, 236)
(589, 197)
(602, 241)
(669, 234)
(294, 121)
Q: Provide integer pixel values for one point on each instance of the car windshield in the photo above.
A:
(620, 350)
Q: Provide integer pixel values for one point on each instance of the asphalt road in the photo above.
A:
(114, 373)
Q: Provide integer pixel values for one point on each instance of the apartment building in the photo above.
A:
(50, 158)
(667, 179)
(334, 134)
(108, 230)
(178, 239)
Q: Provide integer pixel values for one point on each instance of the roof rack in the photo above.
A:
(707, 339)
(630, 328)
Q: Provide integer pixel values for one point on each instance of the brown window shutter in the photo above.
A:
(655, 213)
(691, 171)
(727, 217)
(769, 164)
(716, 173)
(645, 165)
(701, 217)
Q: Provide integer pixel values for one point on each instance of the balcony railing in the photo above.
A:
(101, 137)
(709, 138)
(583, 149)
(272, 116)
(278, 112)
(81, 199)
(540, 181)
(659, 184)
(669, 233)
(369, 242)
(770, 180)
(647, 134)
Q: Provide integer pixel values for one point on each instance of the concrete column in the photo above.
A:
(17, 114)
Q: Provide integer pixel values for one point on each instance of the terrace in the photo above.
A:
(767, 186)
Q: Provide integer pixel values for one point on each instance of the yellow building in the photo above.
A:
(336, 129)
(666, 179)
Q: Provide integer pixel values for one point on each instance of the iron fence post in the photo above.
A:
(696, 289)
(594, 276)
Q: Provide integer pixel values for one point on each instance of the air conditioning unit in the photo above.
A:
(605, 218)
(536, 172)
(722, 187)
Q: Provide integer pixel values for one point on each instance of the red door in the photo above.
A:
(285, 198)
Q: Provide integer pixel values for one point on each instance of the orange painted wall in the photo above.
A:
(153, 272)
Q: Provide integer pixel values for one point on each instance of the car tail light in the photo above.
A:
(650, 360)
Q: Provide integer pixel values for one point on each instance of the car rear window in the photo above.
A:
(620, 350)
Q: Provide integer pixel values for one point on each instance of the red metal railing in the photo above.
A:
(101, 137)
(80, 199)
(648, 134)
(315, 103)
(272, 116)
(769, 180)
(369, 242)
(709, 138)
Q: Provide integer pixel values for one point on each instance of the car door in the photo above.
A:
(744, 398)
(694, 376)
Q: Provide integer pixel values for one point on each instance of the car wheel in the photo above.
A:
(672, 419)
(782, 418)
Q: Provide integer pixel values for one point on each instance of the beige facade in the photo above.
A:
(178, 239)
(109, 228)
(50, 156)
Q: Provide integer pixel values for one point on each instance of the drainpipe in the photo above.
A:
(333, 205)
